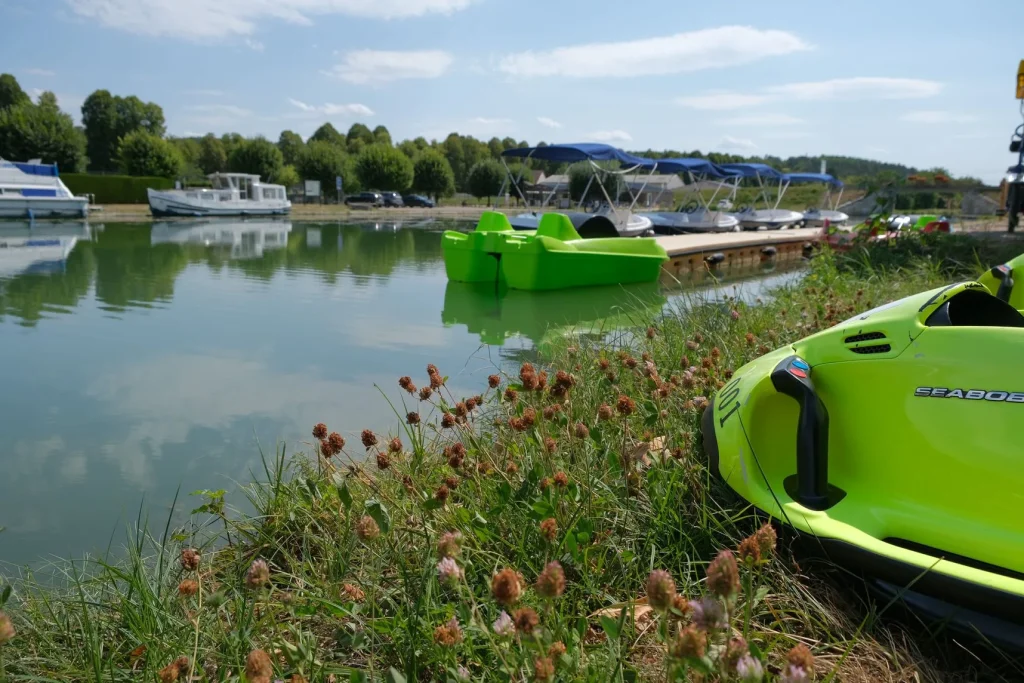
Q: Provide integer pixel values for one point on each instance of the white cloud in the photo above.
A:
(203, 20)
(736, 144)
(937, 117)
(861, 87)
(329, 109)
(254, 45)
(220, 109)
(40, 72)
(721, 100)
(691, 51)
(375, 66)
(762, 120)
(548, 123)
(610, 136)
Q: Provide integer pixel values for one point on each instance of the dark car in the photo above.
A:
(418, 200)
(392, 199)
(365, 199)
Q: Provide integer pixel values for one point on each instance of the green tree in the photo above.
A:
(324, 162)
(485, 179)
(258, 156)
(432, 175)
(580, 175)
(212, 156)
(409, 149)
(144, 154)
(494, 145)
(328, 133)
(11, 93)
(290, 143)
(108, 118)
(381, 136)
(287, 176)
(383, 167)
(231, 141)
(189, 148)
(41, 131)
(359, 131)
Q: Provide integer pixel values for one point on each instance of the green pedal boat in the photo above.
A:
(1003, 282)
(892, 443)
(553, 257)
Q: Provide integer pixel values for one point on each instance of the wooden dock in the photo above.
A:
(721, 250)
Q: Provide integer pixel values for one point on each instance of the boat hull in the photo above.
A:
(769, 219)
(598, 224)
(43, 207)
(677, 222)
(817, 218)
(176, 203)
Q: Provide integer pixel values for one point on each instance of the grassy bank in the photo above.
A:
(561, 525)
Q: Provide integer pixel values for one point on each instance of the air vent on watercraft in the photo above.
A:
(876, 348)
(867, 336)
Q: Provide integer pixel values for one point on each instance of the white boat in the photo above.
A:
(828, 211)
(771, 217)
(35, 190)
(232, 194)
(31, 247)
(607, 219)
(695, 215)
(245, 239)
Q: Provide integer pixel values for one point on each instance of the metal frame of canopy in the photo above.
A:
(829, 180)
(573, 153)
(685, 165)
(757, 171)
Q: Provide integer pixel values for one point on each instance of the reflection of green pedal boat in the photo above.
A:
(892, 441)
(554, 257)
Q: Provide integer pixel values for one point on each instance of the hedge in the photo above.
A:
(115, 189)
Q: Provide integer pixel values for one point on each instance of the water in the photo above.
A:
(143, 357)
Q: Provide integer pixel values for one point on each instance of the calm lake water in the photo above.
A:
(143, 357)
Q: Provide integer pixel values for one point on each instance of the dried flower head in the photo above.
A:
(188, 588)
(507, 587)
(412, 418)
(461, 410)
(749, 669)
(432, 369)
(353, 593)
(368, 438)
(549, 529)
(511, 395)
(564, 379)
(724, 575)
(582, 431)
(800, 656)
(258, 575)
(625, 405)
(556, 650)
(749, 551)
(451, 482)
(190, 559)
(551, 582)
(561, 479)
(441, 495)
(472, 403)
(680, 606)
(604, 412)
(734, 650)
(545, 483)
(173, 671)
(448, 634)
(436, 381)
(529, 417)
(450, 544)
(766, 540)
(447, 420)
(550, 445)
(319, 431)
(734, 314)
(692, 345)
(503, 625)
(526, 620)
(542, 380)
(448, 570)
(367, 529)
(483, 467)
(660, 589)
(511, 468)
(549, 413)
(326, 449)
(407, 484)
(383, 461)
(689, 644)
(543, 669)
(493, 381)
(6, 629)
(406, 383)
(708, 613)
(426, 393)
(258, 666)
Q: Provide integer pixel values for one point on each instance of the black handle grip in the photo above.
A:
(1005, 276)
(792, 378)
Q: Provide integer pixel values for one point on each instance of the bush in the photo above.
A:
(144, 154)
(115, 189)
(384, 168)
(324, 161)
(258, 156)
(485, 178)
(432, 175)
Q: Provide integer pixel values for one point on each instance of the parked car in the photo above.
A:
(418, 200)
(365, 199)
(392, 199)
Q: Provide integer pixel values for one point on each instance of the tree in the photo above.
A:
(580, 175)
(231, 141)
(383, 167)
(360, 131)
(258, 156)
(485, 179)
(290, 144)
(328, 133)
(324, 162)
(108, 118)
(144, 154)
(432, 175)
(11, 93)
(409, 149)
(287, 176)
(494, 145)
(41, 131)
(381, 136)
(212, 156)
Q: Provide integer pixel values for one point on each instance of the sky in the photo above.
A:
(924, 84)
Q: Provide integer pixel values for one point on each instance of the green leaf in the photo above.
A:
(581, 627)
(356, 676)
(376, 509)
(394, 676)
(432, 504)
(543, 509)
(479, 520)
(611, 627)
(343, 493)
(761, 594)
(5, 595)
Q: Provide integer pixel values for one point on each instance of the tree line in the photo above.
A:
(127, 135)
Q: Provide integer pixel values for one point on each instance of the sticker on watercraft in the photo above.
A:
(728, 401)
(971, 394)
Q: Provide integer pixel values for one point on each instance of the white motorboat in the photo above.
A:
(771, 217)
(607, 219)
(28, 247)
(695, 215)
(35, 190)
(232, 194)
(245, 239)
(828, 211)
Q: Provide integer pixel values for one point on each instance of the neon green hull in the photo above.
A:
(905, 458)
(1007, 282)
(554, 257)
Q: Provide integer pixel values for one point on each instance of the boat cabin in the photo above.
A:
(247, 185)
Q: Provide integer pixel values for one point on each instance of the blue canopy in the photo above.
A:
(580, 151)
(36, 169)
(753, 170)
(812, 178)
(690, 165)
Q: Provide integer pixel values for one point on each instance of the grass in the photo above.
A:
(581, 508)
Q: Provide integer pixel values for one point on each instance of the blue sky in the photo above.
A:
(920, 83)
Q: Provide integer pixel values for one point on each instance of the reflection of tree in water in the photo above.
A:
(26, 296)
(130, 271)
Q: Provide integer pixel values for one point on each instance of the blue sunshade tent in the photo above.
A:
(576, 151)
(753, 170)
(813, 178)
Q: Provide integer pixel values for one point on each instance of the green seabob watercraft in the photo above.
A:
(553, 257)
